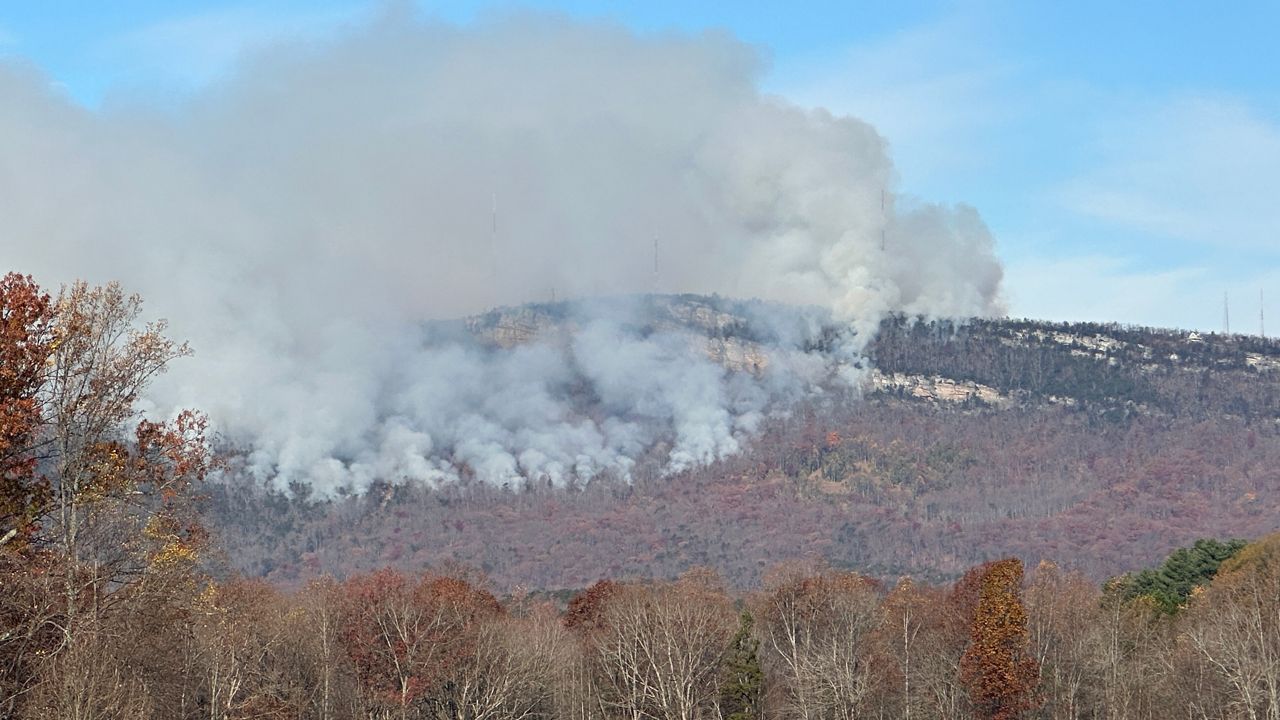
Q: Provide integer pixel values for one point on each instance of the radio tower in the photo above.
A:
(884, 220)
(493, 253)
(655, 264)
(1262, 317)
(1226, 314)
(493, 243)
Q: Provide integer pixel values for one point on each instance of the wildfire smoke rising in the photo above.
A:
(299, 221)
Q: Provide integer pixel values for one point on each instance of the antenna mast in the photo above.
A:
(1262, 318)
(655, 264)
(493, 242)
(884, 220)
(1226, 314)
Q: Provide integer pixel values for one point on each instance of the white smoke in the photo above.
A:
(301, 219)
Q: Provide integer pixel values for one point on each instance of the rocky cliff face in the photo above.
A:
(716, 333)
(937, 389)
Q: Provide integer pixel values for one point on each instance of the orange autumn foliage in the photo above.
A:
(997, 669)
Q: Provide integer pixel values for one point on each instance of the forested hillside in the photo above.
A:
(1097, 446)
(770, 585)
(1116, 371)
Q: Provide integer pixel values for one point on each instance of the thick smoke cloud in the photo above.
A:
(300, 220)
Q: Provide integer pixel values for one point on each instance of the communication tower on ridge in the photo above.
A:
(493, 242)
(884, 221)
(655, 265)
(1226, 313)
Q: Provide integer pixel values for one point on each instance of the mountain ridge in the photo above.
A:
(1100, 446)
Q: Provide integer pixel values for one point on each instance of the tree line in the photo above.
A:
(111, 605)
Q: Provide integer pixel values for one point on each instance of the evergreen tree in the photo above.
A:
(743, 685)
(1184, 570)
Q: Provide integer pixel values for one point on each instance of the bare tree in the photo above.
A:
(120, 483)
(1128, 654)
(816, 637)
(910, 644)
(1235, 626)
(512, 673)
(658, 652)
(85, 681)
(1063, 618)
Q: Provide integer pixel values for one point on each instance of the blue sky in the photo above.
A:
(1126, 155)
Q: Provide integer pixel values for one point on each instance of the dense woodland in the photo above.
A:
(115, 600)
(1119, 445)
(1115, 371)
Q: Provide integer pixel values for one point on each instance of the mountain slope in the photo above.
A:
(1097, 446)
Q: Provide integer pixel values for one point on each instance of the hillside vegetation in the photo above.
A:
(114, 602)
(1098, 446)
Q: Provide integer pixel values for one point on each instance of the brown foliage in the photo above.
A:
(406, 637)
(586, 610)
(997, 669)
(919, 646)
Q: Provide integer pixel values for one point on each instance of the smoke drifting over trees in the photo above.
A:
(300, 220)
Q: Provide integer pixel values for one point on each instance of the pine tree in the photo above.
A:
(1182, 572)
(743, 684)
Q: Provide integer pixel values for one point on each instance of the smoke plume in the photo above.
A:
(301, 220)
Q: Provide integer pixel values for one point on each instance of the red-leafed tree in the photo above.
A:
(405, 639)
(586, 610)
(997, 669)
(98, 517)
(26, 343)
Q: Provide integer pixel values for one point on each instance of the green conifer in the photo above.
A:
(742, 688)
